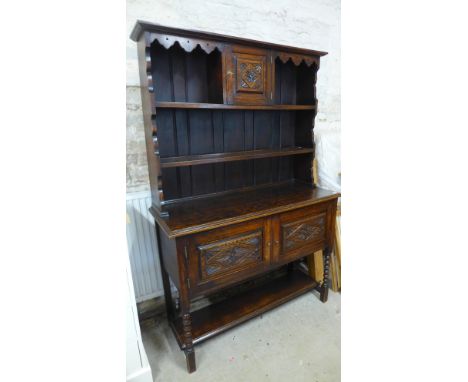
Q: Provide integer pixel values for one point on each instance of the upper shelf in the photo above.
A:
(197, 105)
(192, 160)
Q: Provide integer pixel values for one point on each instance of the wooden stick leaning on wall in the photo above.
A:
(335, 258)
(315, 261)
(315, 264)
(337, 250)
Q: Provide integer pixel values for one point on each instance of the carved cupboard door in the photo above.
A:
(226, 255)
(300, 232)
(248, 75)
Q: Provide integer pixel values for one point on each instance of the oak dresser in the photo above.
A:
(229, 139)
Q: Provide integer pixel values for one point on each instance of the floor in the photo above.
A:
(298, 341)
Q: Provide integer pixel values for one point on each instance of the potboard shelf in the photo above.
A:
(217, 318)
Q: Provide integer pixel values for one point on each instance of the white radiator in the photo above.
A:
(142, 247)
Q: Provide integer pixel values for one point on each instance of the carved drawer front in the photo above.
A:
(229, 254)
(248, 75)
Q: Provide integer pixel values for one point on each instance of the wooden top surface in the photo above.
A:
(144, 26)
(191, 216)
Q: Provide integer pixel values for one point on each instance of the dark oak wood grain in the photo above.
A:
(206, 213)
(192, 160)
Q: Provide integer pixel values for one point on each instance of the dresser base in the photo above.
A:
(244, 265)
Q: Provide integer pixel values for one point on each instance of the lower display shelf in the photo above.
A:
(192, 160)
(219, 317)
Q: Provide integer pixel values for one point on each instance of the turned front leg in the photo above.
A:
(326, 267)
(188, 350)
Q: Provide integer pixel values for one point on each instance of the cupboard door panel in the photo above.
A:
(227, 255)
(248, 75)
(301, 232)
(223, 256)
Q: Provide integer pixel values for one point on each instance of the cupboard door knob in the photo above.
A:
(277, 242)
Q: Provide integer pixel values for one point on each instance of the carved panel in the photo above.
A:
(250, 75)
(221, 256)
(303, 232)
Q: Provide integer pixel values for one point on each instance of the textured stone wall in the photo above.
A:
(313, 24)
(137, 167)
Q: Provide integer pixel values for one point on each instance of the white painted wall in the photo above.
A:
(313, 24)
